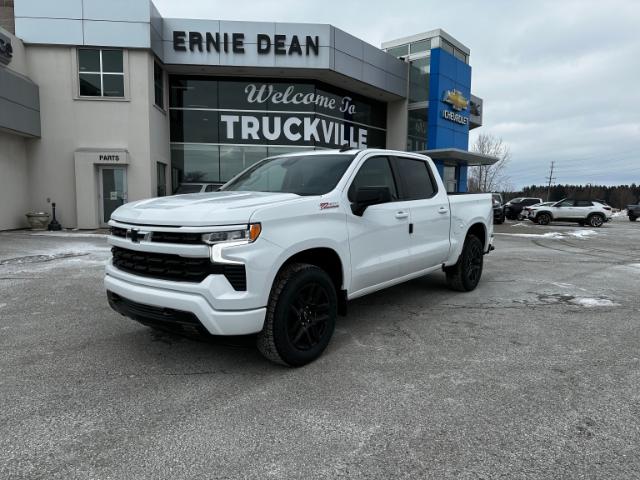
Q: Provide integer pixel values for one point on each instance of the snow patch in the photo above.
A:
(69, 234)
(621, 213)
(2, 305)
(593, 302)
(521, 224)
(553, 235)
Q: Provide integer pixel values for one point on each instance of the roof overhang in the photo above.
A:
(455, 155)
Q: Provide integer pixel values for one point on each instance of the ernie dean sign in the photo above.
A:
(235, 42)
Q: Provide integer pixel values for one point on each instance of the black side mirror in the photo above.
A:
(367, 196)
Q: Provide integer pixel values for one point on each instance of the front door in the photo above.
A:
(113, 191)
(379, 239)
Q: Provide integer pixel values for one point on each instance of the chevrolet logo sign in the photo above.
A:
(136, 235)
(455, 98)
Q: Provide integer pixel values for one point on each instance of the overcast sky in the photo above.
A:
(560, 79)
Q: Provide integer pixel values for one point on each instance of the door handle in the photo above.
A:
(443, 210)
(400, 215)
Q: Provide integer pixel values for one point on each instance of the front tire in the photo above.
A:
(595, 220)
(301, 316)
(544, 219)
(465, 274)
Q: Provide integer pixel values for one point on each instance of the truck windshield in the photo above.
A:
(300, 174)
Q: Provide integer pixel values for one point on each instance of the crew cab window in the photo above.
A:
(583, 203)
(375, 172)
(417, 181)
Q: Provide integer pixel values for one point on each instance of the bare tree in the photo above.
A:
(490, 178)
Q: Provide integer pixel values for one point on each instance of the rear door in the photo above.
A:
(582, 209)
(379, 239)
(430, 217)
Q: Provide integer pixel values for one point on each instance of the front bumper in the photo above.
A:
(216, 322)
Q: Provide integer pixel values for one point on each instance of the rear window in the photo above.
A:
(185, 188)
(415, 178)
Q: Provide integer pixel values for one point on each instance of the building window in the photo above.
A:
(450, 178)
(158, 85)
(460, 55)
(421, 46)
(161, 170)
(417, 130)
(100, 72)
(419, 80)
(400, 51)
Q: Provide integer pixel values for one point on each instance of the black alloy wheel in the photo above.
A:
(308, 316)
(544, 219)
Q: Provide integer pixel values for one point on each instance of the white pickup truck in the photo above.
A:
(285, 244)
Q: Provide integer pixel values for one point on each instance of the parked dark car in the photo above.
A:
(634, 212)
(498, 209)
(513, 208)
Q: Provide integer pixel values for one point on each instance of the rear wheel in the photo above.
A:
(544, 219)
(465, 274)
(632, 218)
(595, 220)
(301, 316)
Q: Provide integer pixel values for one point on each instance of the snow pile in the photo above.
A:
(582, 233)
(621, 213)
(69, 234)
(521, 224)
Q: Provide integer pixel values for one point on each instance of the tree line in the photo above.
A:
(618, 196)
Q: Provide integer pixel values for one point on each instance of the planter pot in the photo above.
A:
(38, 220)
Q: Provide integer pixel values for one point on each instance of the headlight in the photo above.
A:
(248, 235)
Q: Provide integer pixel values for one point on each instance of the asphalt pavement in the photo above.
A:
(535, 374)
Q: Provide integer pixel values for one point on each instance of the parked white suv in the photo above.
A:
(286, 243)
(584, 212)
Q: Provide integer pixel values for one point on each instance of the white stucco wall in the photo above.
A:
(70, 123)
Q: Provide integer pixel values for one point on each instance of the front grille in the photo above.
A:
(178, 321)
(176, 268)
(188, 238)
(177, 237)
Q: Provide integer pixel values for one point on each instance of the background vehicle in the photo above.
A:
(498, 209)
(633, 211)
(584, 212)
(284, 245)
(197, 187)
(526, 211)
(514, 207)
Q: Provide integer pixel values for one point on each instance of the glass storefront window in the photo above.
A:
(421, 46)
(193, 92)
(195, 163)
(235, 158)
(417, 130)
(419, 80)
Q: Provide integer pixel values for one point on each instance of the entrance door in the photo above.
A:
(113, 191)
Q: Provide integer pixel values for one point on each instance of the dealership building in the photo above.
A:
(104, 102)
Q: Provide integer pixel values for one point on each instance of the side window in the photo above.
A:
(210, 188)
(417, 180)
(531, 201)
(566, 203)
(375, 172)
(583, 203)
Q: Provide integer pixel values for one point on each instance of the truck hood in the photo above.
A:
(199, 209)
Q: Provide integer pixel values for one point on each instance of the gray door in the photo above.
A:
(113, 191)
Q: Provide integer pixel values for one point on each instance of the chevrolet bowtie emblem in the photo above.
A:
(455, 98)
(136, 235)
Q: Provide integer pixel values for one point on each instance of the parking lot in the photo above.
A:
(535, 374)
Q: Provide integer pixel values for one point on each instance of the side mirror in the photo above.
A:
(367, 196)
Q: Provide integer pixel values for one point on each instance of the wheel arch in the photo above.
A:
(325, 258)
